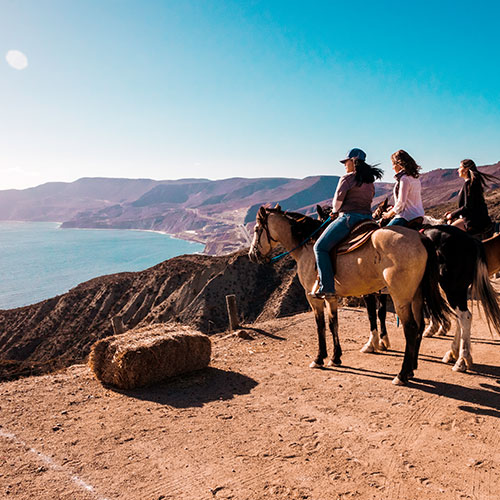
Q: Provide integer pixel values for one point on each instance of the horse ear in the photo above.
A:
(321, 212)
(262, 212)
(386, 202)
(277, 207)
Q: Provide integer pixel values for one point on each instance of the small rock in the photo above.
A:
(474, 462)
(214, 491)
(243, 334)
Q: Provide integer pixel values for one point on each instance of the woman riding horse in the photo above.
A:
(395, 257)
(352, 202)
(408, 205)
(472, 213)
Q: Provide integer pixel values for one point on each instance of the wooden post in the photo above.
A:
(118, 326)
(232, 312)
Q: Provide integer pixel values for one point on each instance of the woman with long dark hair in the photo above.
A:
(351, 204)
(472, 213)
(408, 208)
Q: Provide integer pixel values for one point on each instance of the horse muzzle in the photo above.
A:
(255, 256)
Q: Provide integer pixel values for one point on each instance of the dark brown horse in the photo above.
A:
(463, 263)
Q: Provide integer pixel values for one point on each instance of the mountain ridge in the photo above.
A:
(218, 213)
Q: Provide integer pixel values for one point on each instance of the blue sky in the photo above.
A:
(214, 89)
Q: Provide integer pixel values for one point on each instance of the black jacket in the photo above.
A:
(472, 207)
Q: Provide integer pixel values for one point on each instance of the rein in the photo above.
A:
(284, 254)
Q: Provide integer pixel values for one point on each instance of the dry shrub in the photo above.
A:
(148, 355)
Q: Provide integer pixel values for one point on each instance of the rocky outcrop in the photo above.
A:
(189, 290)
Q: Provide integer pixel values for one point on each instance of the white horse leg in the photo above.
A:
(373, 344)
(452, 354)
(431, 329)
(442, 331)
(465, 358)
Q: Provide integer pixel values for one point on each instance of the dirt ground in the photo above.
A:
(260, 424)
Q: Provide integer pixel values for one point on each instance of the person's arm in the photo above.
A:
(400, 201)
(462, 205)
(345, 183)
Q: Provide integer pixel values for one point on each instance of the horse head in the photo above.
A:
(381, 208)
(323, 212)
(263, 242)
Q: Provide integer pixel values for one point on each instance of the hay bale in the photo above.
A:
(148, 355)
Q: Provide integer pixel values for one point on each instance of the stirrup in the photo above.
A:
(320, 295)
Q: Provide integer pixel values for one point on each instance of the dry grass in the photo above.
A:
(148, 355)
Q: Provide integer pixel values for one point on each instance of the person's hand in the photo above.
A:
(447, 215)
(386, 215)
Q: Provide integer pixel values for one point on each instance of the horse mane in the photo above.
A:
(302, 226)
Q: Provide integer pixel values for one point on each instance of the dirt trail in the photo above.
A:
(260, 424)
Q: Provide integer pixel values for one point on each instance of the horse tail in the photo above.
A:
(435, 305)
(483, 290)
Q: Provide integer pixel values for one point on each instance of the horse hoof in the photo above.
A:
(449, 358)
(367, 348)
(313, 364)
(385, 345)
(334, 363)
(397, 381)
(460, 366)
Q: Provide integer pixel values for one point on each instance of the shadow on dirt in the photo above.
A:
(484, 401)
(263, 333)
(196, 389)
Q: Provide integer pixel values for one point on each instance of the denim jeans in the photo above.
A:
(333, 234)
(398, 221)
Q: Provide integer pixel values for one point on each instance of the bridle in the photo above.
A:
(260, 228)
(263, 226)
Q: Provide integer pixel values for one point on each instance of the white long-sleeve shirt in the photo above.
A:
(408, 202)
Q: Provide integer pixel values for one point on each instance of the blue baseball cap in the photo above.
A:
(355, 153)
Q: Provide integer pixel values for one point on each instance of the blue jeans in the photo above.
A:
(398, 221)
(332, 236)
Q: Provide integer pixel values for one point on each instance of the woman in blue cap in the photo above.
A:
(351, 204)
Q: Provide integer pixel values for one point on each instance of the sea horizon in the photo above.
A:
(40, 260)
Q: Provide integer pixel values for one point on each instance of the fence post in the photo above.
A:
(232, 312)
(118, 326)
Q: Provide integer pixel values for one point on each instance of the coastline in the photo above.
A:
(40, 262)
(174, 236)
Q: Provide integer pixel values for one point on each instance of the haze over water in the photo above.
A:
(38, 260)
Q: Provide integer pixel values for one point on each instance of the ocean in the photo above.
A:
(38, 260)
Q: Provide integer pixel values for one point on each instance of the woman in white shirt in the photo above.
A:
(407, 191)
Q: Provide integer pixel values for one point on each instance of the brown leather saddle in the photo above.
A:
(359, 235)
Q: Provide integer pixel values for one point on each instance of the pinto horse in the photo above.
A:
(397, 258)
(463, 263)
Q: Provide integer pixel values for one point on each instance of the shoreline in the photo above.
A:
(13, 296)
(175, 236)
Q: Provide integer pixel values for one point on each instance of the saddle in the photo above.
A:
(358, 236)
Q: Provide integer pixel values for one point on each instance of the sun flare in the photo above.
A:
(16, 59)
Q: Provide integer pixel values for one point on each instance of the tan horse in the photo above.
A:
(396, 257)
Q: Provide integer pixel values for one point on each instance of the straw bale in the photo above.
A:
(148, 355)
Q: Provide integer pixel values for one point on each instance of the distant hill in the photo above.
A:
(219, 213)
